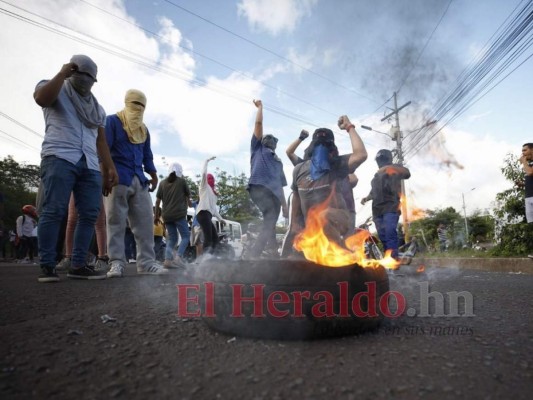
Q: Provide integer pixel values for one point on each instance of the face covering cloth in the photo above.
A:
(319, 162)
(132, 116)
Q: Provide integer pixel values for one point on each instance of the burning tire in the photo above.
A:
(291, 299)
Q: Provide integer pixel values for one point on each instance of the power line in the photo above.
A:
(140, 60)
(17, 140)
(40, 136)
(269, 51)
(483, 74)
(248, 76)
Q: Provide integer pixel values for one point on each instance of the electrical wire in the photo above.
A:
(510, 42)
(269, 51)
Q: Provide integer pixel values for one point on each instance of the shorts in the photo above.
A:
(529, 209)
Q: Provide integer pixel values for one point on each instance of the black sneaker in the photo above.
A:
(48, 275)
(85, 272)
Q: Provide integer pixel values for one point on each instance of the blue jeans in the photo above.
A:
(386, 226)
(172, 228)
(59, 178)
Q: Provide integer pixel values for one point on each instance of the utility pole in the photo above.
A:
(397, 136)
(466, 220)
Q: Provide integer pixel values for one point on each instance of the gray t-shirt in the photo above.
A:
(315, 192)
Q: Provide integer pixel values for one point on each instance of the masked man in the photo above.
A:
(266, 185)
(385, 196)
(73, 146)
(318, 175)
(129, 143)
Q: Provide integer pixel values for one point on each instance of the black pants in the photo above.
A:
(210, 232)
(270, 206)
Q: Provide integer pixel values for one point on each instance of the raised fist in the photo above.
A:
(344, 122)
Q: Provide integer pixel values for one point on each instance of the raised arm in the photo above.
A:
(359, 154)
(47, 94)
(294, 145)
(258, 129)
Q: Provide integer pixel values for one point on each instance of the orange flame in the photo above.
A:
(421, 269)
(316, 246)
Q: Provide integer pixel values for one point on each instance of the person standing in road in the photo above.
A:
(527, 164)
(129, 143)
(265, 185)
(207, 209)
(175, 194)
(385, 196)
(75, 159)
(26, 224)
(442, 234)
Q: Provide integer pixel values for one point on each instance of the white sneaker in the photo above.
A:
(116, 270)
(154, 269)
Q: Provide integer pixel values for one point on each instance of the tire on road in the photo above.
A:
(290, 276)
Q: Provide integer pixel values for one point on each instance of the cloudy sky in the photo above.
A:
(202, 62)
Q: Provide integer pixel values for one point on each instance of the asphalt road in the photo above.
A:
(55, 344)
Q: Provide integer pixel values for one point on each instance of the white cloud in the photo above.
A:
(275, 16)
(182, 116)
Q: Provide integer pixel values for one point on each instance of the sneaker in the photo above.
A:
(174, 264)
(64, 264)
(101, 264)
(154, 269)
(85, 272)
(530, 255)
(132, 261)
(116, 270)
(48, 275)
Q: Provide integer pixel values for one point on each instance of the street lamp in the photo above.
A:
(368, 128)
(464, 211)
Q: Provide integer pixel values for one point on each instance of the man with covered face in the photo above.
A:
(385, 196)
(129, 144)
(317, 177)
(266, 185)
(75, 159)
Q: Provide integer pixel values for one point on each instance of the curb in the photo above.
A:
(514, 265)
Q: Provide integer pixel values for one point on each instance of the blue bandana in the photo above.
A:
(319, 162)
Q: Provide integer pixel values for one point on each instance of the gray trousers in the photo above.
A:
(134, 203)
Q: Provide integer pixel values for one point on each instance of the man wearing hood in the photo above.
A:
(266, 184)
(75, 159)
(174, 192)
(317, 177)
(129, 143)
(385, 196)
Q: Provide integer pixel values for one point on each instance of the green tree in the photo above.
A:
(18, 184)
(514, 234)
(233, 198)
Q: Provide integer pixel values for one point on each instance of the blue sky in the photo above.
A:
(319, 59)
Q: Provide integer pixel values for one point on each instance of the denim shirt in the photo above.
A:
(128, 157)
(66, 137)
(266, 169)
